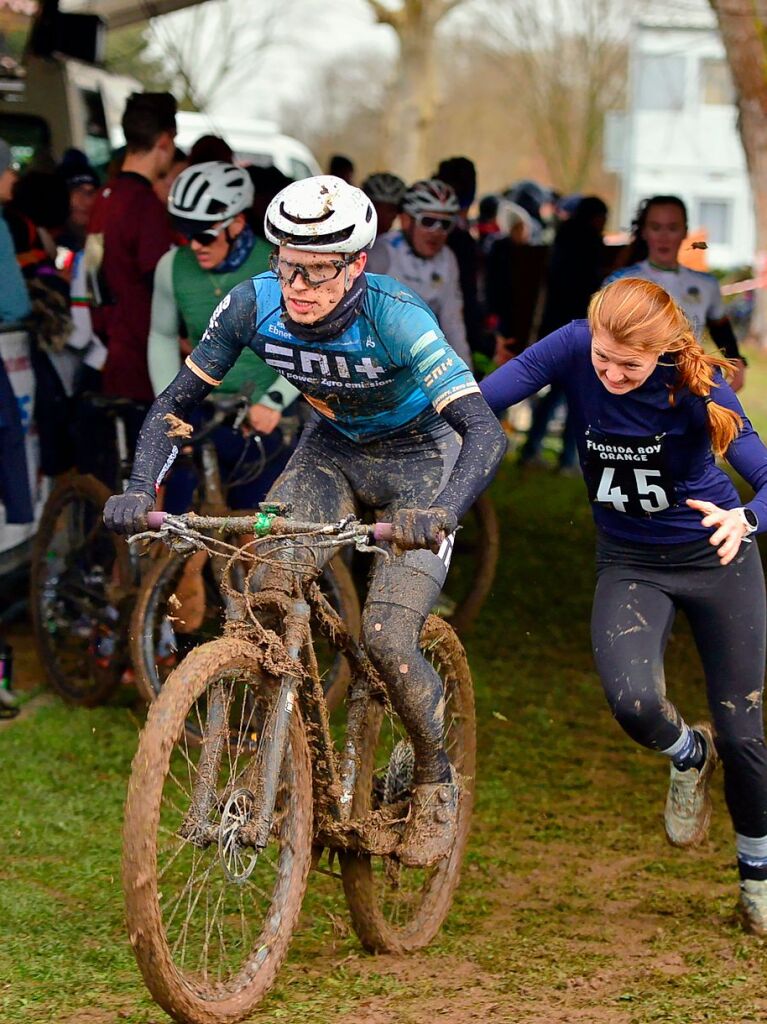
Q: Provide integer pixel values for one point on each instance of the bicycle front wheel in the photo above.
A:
(79, 581)
(209, 913)
(394, 908)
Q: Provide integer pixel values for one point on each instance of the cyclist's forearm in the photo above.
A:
(155, 451)
(483, 448)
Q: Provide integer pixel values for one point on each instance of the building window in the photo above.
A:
(660, 82)
(715, 215)
(716, 87)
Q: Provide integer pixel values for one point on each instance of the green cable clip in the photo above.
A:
(263, 524)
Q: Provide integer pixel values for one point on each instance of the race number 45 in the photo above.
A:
(651, 497)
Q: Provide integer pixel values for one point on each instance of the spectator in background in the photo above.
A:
(419, 257)
(14, 300)
(83, 184)
(36, 216)
(460, 173)
(535, 200)
(342, 167)
(164, 184)
(512, 281)
(267, 182)
(131, 227)
(576, 270)
(487, 226)
(385, 191)
(208, 148)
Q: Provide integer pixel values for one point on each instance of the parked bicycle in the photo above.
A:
(82, 580)
(237, 783)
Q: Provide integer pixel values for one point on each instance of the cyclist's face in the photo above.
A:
(429, 238)
(209, 256)
(664, 232)
(306, 303)
(620, 369)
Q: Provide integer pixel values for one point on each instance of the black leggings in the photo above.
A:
(330, 476)
(639, 589)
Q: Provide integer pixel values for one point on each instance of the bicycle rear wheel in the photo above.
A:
(474, 563)
(397, 909)
(158, 640)
(209, 916)
(80, 581)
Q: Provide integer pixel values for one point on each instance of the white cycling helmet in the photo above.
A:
(208, 193)
(431, 196)
(384, 188)
(321, 214)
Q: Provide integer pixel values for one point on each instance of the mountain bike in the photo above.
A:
(239, 781)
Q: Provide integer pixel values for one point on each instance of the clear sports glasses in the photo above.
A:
(313, 276)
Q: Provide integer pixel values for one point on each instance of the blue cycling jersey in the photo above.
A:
(384, 370)
(642, 457)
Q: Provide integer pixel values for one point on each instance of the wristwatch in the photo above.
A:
(750, 518)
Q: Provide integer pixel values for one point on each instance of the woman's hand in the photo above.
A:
(738, 378)
(731, 528)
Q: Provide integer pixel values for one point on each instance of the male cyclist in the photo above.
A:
(419, 257)
(208, 203)
(391, 401)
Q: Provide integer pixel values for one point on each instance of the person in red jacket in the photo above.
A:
(128, 233)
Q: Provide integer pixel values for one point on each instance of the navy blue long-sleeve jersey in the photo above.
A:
(642, 457)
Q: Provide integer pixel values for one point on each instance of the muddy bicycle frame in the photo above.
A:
(333, 786)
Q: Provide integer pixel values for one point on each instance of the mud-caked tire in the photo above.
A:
(176, 956)
(397, 909)
(79, 588)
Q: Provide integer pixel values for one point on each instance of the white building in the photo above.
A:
(679, 133)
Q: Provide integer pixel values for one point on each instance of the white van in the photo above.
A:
(253, 141)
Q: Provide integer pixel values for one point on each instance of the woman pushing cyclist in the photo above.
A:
(651, 412)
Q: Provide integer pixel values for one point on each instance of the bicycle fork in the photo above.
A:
(273, 747)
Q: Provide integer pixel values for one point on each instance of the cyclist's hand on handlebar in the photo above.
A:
(263, 419)
(126, 513)
(421, 528)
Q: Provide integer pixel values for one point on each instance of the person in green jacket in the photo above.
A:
(208, 203)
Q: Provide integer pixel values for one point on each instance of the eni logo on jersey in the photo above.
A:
(328, 367)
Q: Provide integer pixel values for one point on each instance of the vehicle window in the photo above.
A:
(298, 169)
(28, 136)
(257, 159)
(97, 146)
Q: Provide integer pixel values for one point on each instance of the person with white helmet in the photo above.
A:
(400, 428)
(208, 204)
(418, 256)
(385, 191)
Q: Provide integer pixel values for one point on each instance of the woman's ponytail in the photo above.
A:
(696, 373)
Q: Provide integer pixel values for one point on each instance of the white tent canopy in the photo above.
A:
(117, 13)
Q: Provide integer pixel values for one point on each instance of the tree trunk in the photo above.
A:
(743, 35)
(414, 101)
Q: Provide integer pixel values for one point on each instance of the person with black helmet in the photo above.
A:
(392, 403)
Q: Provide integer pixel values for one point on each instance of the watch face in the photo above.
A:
(750, 516)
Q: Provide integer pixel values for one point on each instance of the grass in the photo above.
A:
(572, 905)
